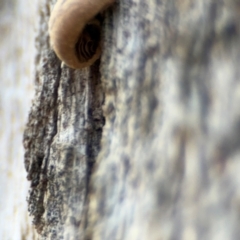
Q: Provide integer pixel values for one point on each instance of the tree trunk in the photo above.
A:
(163, 103)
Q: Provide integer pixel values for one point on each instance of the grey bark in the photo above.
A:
(61, 141)
(169, 158)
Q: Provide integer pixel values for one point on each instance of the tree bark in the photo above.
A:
(168, 87)
(61, 141)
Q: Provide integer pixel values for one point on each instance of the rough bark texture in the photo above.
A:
(61, 141)
(169, 159)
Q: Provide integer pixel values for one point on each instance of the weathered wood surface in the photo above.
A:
(169, 159)
(61, 140)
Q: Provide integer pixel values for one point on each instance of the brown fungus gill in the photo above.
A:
(75, 31)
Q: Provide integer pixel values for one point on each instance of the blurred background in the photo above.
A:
(18, 29)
